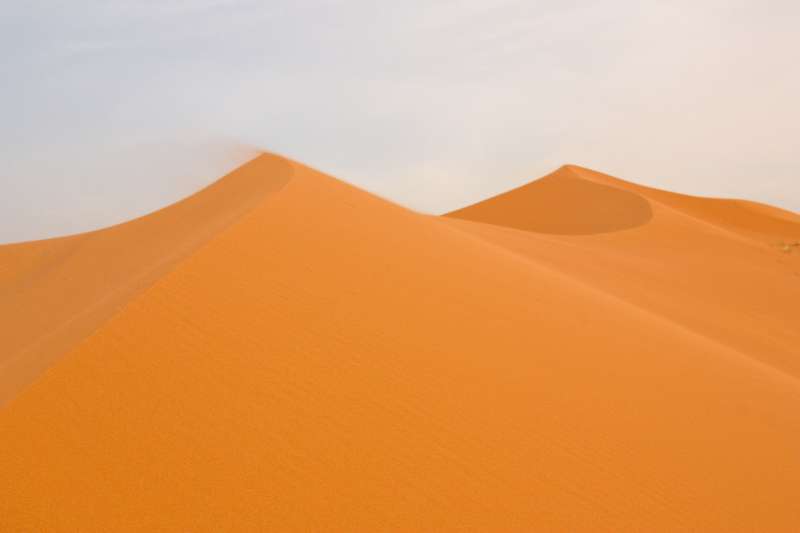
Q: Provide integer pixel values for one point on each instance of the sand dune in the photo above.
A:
(749, 218)
(713, 266)
(562, 203)
(321, 359)
(55, 292)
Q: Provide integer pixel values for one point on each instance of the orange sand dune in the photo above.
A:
(331, 361)
(562, 203)
(690, 263)
(749, 218)
(55, 292)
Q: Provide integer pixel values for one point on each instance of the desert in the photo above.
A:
(283, 351)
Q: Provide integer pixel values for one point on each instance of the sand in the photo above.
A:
(710, 265)
(55, 292)
(620, 359)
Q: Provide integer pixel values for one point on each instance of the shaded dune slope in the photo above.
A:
(754, 220)
(304, 370)
(562, 203)
(55, 292)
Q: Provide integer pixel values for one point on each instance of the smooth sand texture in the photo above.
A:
(331, 361)
(562, 203)
(55, 292)
(752, 219)
(714, 266)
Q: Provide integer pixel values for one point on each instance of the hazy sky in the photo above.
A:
(112, 108)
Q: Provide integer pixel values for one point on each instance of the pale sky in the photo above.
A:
(110, 108)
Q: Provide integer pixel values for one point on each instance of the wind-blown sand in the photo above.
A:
(55, 292)
(316, 358)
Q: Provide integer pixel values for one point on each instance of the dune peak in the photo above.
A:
(562, 203)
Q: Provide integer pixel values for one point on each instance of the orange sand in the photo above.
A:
(55, 292)
(320, 359)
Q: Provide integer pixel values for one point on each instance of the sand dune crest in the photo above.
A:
(330, 361)
(562, 203)
(754, 220)
(57, 291)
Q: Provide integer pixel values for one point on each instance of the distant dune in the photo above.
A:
(285, 352)
(563, 203)
(707, 264)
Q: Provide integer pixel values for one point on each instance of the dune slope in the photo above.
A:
(562, 203)
(698, 280)
(757, 221)
(55, 292)
(331, 361)
(714, 266)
